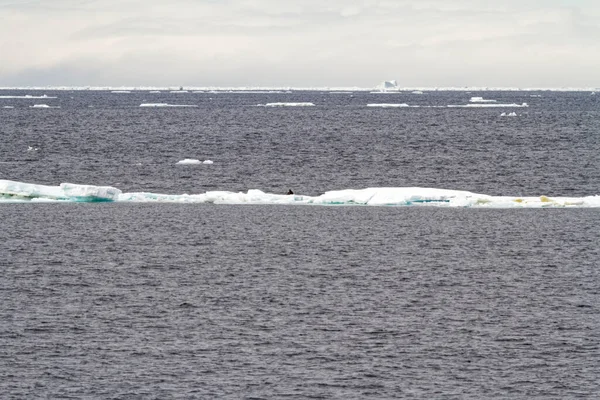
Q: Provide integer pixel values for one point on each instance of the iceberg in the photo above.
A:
(12, 191)
(512, 114)
(388, 86)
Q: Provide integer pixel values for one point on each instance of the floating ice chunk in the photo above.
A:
(8, 107)
(43, 106)
(388, 105)
(65, 192)
(28, 96)
(417, 92)
(512, 114)
(178, 91)
(154, 91)
(166, 105)
(488, 105)
(31, 148)
(481, 100)
(121, 91)
(304, 104)
(207, 162)
(341, 92)
(189, 161)
(535, 95)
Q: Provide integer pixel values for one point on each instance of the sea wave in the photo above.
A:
(13, 191)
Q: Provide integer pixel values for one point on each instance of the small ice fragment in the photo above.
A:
(207, 162)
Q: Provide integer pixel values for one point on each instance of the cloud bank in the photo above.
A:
(301, 43)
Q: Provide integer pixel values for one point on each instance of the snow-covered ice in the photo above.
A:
(28, 96)
(302, 104)
(189, 161)
(12, 191)
(489, 105)
(388, 105)
(166, 105)
(43, 106)
(481, 100)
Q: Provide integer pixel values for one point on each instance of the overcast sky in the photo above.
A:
(300, 43)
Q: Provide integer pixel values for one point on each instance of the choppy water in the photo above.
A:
(217, 301)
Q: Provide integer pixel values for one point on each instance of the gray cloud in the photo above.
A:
(300, 42)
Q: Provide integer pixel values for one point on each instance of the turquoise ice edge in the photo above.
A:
(19, 192)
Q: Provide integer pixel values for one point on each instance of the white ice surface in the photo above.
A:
(28, 96)
(166, 105)
(43, 106)
(305, 104)
(189, 161)
(512, 114)
(121, 91)
(207, 162)
(489, 105)
(388, 105)
(481, 100)
(11, 191)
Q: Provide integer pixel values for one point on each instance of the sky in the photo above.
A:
(300, 43)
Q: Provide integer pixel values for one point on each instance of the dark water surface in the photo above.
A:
(131, 301)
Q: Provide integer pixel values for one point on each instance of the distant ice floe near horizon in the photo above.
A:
(388, 105)
(193, 161)
(488, 105)
(512, 114)
(302, 104)
(12, 191)
(417, 92)
(121, 91)
(28, 96)
(43, 106)
(166, 105)
(481, 100)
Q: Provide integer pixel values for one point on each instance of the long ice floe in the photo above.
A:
(304, 104)
(388, 105)
(166, 105)
(12, 191)
(489, 105)
(28, 96)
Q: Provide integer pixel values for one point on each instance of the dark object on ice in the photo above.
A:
(290, 192)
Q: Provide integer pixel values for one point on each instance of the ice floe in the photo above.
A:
(121, 91)
(43, 106)
(12, 191)
(388, 105)
(166, 105)
(302, 104)
(489, 105)
(512, 114)
(481, 100)
(28, 96)
(189, 161)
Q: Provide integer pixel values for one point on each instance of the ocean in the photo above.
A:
(360, 285)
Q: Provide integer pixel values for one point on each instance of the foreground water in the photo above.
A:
(155, 300)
